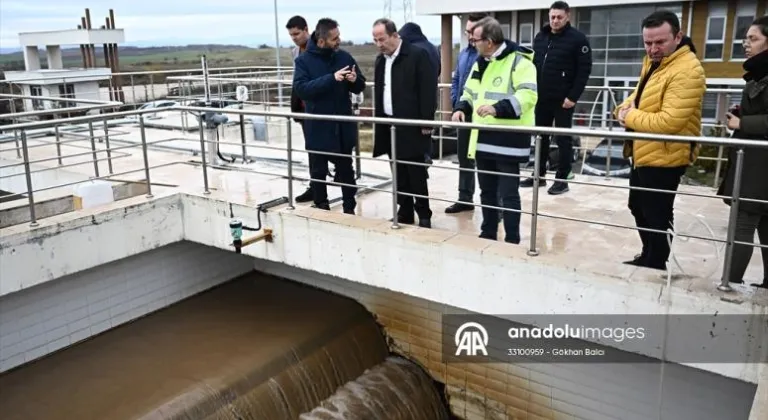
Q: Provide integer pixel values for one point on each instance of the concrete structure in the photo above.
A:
(613, 28)
(55, 80)
(83, 272)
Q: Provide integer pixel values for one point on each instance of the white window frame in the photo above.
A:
(746, 8)
(524, 26)
(717, 10)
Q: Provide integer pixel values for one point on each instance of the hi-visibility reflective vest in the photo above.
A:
(513, 78)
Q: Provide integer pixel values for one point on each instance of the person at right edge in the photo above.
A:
(750, 121)
(667, 100)
(563, 60)
(501, 90)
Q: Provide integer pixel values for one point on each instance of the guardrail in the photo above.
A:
(537, 132)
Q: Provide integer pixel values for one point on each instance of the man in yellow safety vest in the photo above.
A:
(500, 90)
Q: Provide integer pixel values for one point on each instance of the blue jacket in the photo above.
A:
(314, 83)
(467, 58)
(411, 33)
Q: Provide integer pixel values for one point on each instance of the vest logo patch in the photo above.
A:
(585, 49)
(497, 81)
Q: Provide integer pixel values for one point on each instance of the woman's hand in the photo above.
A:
(733, 122)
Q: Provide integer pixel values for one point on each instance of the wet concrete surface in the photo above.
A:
(242, 350)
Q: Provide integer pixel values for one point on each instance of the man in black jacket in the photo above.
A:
(406, 88)
(564, 62)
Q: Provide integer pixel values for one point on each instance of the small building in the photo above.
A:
(717, 29)
(55, 80)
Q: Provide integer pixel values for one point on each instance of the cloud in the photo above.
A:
(196, 21)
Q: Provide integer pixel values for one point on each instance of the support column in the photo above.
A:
(31, 58)
(53, 52)
(446, 61)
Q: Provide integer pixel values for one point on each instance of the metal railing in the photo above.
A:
(289, 149)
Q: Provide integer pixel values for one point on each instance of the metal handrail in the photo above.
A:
(537, 131)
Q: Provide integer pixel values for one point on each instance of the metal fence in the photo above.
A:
(21, 129)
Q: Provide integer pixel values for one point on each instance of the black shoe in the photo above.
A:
(558, 188)
(487, 236)
(763, 285)
(304, 197)
(349, 211)
(425, 223)
(404, 221)
(458, 208)
(528, 183)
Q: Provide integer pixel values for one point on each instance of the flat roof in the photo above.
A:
(452, 7)
(58, 76)
(72, 37)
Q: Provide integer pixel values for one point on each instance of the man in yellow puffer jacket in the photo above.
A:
(667, 100)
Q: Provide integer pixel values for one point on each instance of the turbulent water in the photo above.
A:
(393, 390)
(256, 348)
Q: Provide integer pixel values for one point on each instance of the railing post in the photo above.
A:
(532, 251)
(109, 150)
(28, 176)
(725, 281)
(718, 166)
(202, 156)
(93, 149)
(608, 159)
(242, 137)
(15, 132)
(393, 141)
(58, 143)
(146, 158)
(289, 147)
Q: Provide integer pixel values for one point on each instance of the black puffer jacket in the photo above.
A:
(563, 62)
(754, 126)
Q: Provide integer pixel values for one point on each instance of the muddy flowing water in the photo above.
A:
(254, 348)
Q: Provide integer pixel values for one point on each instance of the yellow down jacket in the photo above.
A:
(669, 104)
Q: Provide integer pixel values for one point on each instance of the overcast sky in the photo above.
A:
(249, 22)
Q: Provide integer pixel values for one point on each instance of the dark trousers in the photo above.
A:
(466, 178)
(746, 225)
(499, 187)
(301, 124)
(654, 210)
(546, 114)
(412, 179)
(343, 173)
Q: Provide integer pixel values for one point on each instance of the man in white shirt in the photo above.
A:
(405, 88)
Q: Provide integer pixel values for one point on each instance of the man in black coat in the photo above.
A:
(323, 78)
(563, 61)
(406, 88)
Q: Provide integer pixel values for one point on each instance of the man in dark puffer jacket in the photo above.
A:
(564, 62)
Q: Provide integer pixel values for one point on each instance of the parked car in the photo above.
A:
(554, 153)
(596, 160)
(162, 103)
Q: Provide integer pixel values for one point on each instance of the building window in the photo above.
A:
(745, 15)
(67, 91)
(505, 20)
(525, 21)
(37, 104)
(713, 49)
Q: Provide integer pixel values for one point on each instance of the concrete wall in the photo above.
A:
(54, 315)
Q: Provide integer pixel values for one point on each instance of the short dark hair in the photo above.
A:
(324, 27)
(476, 17)
(762, 23)
(659, 18)
(560, 5)
(389, 25)
(297, 22)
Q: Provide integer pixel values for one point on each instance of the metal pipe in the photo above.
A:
(242, 136)
(608, 159)
(289, 147)
(109, 149)
(718, 165)
(146, 158)
(532, 251)
(393, 142)
(732, 218)
(15, 133)
(93, 149)
(58, 143)
(28, 176)
(202, 158)
(277, 57)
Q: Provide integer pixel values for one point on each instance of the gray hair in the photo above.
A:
(491, 30)
(389, 25)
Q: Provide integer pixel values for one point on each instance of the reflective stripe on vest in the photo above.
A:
(496, 85)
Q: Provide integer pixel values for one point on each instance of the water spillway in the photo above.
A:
(257, 347)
